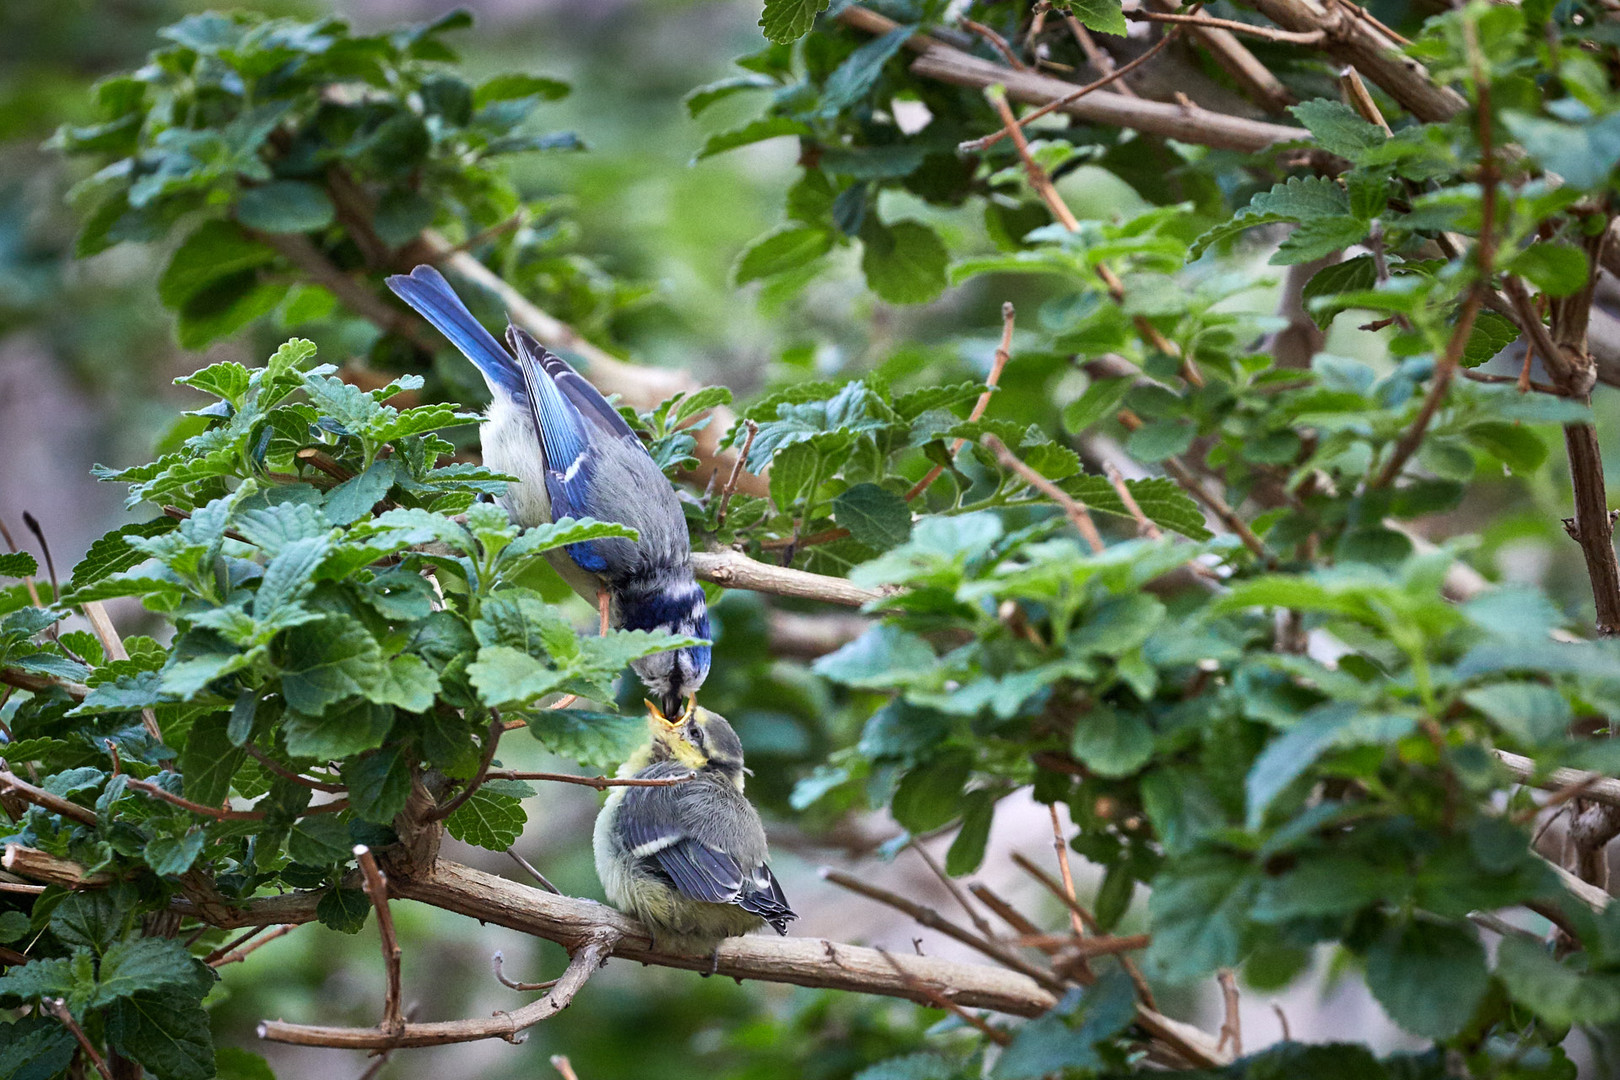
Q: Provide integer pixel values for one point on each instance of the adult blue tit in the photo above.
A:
(688, 858)
(574, 456)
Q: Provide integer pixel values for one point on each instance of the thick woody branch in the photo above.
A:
(46, 868)
(587, 957)
(638, 386)
(735, 570)
(1594, 787)
(36, 683)
(1201, 126)
(570, 921)
(1352, 38)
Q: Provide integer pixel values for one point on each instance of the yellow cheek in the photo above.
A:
(687, 754)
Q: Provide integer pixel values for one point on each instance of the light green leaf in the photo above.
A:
(489, 819)
(883, 656)
(1111, 742)
(787, 248)
(874, 515)
(285, 206)
(905, 262)
(789, 20)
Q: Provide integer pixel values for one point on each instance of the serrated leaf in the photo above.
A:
(874, 515)
(1338, 128)
(172, 855)
(378, 783)
(788, 20)
(506, 676)
(1318, 238)
(1351, 275)
(18, 564)
(328, 661)
(166, 1032)
(343, 910)
(113, 554)
(142, 964)
(1491, 333)
(861, 68)
(488, 819)
(1295, 199)
(1102, 16)
(209, 760)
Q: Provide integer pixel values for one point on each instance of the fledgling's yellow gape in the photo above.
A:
(688, 858)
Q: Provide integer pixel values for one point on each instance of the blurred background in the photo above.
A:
(87, 357)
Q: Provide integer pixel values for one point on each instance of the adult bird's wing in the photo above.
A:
(425, 290)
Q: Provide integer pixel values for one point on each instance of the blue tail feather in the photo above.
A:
(425, 290)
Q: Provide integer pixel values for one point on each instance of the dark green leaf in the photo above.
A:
(874, 515)
(489, 819)
(285, 206)
(166, 1032)
(789, 20)
(967, 850)
(343, 910)
(904, 263)
(1111, 742)
(1429, 977)
(931, 794)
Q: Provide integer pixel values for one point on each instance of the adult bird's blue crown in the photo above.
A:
(574, 456)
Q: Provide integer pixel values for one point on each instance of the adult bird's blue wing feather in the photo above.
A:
(426, 291)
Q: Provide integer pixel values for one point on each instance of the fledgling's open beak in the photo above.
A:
(660, 715)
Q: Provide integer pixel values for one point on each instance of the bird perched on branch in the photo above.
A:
(688, 858)
(574, 456)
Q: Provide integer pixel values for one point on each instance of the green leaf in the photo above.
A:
(855, 76)
(770, 128)
(789, 20)
(209, 760)
(142, 964)
(1338, 128)
(353, 499)
(1103, 16)
(224, 306)
(1160, 439)
(595, 740)
(1111, 742)
(227, 380)
(215, 250)
(328, 661)
(489, 819)
(787, 248)
(285, 206)
(320, 840)
(166, 1032)
(233, 1063)
(1531, 713)
(514, 86)
(18, 564)
(700, 98)
(1516, 446)
(341, 732)
(1067, 1037)
(1583, 154)
(1318, 238)
(874, 515)
(1099, 401)
(1295, 199)
(1286, 758)
(883, 656)
(112, 553)
(506, 676)
(1555, 269)
(343, 910)
(1555, 991)
(1351, 275)
(923, 1066)
(931, 794)
(1491, 334)
(36, 1048)
(378, 783)
(967, 849)
(1199, 911)
(172, 855)
(904, 263)
(1429, 977)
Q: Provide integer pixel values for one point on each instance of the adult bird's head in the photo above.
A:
(668, 602)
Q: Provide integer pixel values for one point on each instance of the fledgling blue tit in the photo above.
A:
(688, 858)
(574, 456)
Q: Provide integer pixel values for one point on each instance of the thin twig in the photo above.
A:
(1282, 1019)
(288, 774)
(1521, 380)
(113, 645)
(1144, 524)
(730, 487)
(600, 783)
(997, 365)
(1210, 22)
(587, 957)
(996, 42)
(59, 1009)
(376, 887)
(1360, 99)
(1061, 848)
(1056, 888)
(492, 739)
(19, 887)
(536, 874)
(976, 145)
(11, 782)
(564, 1067)
(219, 813)
(941, 1001)
(1079, 516)
(932, 919)
(45, 546)
(1443, 372)
(253, 946)
(1232, 1025)
(231, 944)
(498, 960)
(953, 888)
(1096, 56)
(1009, 914)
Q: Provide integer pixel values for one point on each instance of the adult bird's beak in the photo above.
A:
(672, 712)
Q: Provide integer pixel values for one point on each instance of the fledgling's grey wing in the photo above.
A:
(767, 900)
(653, 826)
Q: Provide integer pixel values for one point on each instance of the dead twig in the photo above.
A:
(600, 783)
(238, 955)
(1210, 22)
(1144, 524)
(58, 1008)
(940, 1001)
(1409, 442)
(534, 873)
(995, 41)
(1232, 1025)
(730, 487)
(376, 887)
(1076, 510)
(953, 888)
(113, 646)
(496, 963)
